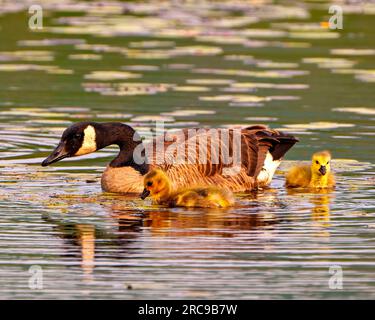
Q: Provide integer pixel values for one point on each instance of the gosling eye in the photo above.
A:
(327, 163)
(149, 183)
(316, 161)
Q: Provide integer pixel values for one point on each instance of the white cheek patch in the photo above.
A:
(89, 142)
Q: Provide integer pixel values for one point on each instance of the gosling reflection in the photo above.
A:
(203, 223)
(320, 212)
(181, 222)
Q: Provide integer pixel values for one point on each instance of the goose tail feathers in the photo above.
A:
(272, 146)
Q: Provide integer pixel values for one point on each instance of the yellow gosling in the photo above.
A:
(159, 187)
(318, 175)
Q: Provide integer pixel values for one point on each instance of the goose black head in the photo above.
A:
(79, 139)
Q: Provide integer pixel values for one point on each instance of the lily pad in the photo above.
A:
(111, 75)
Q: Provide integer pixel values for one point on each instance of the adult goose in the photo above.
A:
(258, 151)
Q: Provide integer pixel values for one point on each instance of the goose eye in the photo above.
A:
(149, 183)
(78, 135)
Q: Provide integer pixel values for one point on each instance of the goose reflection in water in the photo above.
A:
(122, 221)
(86, 240)
(93, 241)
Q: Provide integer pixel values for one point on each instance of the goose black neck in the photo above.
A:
(127, 139)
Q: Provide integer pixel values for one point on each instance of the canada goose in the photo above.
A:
(261, 150)
(159, 187)
(317, 175)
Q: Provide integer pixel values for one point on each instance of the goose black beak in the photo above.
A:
(323, 170)
(145, 193)
(58, 154)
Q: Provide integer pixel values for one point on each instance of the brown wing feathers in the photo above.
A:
(256, 141)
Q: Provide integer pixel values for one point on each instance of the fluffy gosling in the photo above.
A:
(318, 175)
(159, 187)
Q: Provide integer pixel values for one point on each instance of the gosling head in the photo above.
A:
(156, 184)
(321, 163)
(79, 139)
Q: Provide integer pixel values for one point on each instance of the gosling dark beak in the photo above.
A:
(323, 170)
(145, 193)
(58, 154)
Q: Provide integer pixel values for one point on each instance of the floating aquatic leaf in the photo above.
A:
(355, 71)
(366, 77)
(359, 110)
(257, 43)
(319, 125)
(33, 67)
(100, 48)
(26, 55)
(111, 75)
(239, 57)
(263, 33)
(353, 52)
(191, 88)
(345, 137)
(210, 82)
(259, 85)
(246, 104)
(235, 98)
(359, 74)
(69, 109)
(152, 44)
(179, 66)
(173, 52)
(233, 21)
(148, 54)
(284, 98)
(271, 64)
(289, 44)
(330, 63)
(49, 42)
(314, 35)
(188, 113)
(49, 121)
(275, 44)
(113, 115)
(126, 88)
(261, 119)
(87, 56)
(177, 33)
(32, 113)
(298, 26)
(220, 39)
(196, 51)
(255, 74)
(238, 90)
(152, 118)
(141, 68)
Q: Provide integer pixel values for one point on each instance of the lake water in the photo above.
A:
(190, 65)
